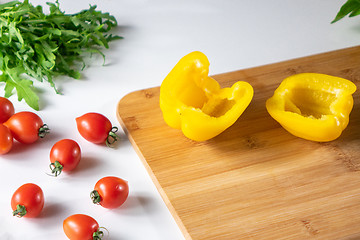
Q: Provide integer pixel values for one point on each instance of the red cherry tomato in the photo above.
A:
(27, 201)
(110, 192)
(65, 155)
(26, 127)
(6, 139)
(81, 227)
(96, 128)
(6, 109)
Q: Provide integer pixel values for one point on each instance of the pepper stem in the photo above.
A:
(56, 168)
(98, 235)
(20, 211)
(112, 137)
(95, 197)
(43, 131)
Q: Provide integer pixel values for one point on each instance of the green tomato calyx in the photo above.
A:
(56, 168)
(112, 137)
(98, 235)
(95, 197)
(20, 211)
(43, 131)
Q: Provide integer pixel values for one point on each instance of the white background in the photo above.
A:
(233, 34)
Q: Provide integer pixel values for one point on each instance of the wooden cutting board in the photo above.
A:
(255, 180)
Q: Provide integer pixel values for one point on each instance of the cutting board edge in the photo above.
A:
(287, 61)
(148, 168)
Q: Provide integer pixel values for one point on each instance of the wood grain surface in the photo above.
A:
(255, 180)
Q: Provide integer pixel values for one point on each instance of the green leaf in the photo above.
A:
(48, 52)
(14, 32)
(24, 87)
(351, 7)
(25, 91)
(9, 89)
(8, 5)
(355, 12)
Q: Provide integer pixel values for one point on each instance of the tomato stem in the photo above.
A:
(20, 211)
(98, 235)
(95, 197)
(56, 168)
(112, 137)
(43, 131)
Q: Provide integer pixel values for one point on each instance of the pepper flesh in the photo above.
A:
(192, 101)
(313, 106)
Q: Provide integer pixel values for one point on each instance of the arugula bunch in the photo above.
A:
(351, 7)
(35, 45)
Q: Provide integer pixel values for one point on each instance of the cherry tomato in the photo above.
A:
(96, 128)
(6, 139)
(65, 155)
(81, 227)
(6, 109)
(110, 192)
(26, 127)
(27, 201)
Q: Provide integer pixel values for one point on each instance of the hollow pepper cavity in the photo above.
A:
(194, 102)
(313, 106)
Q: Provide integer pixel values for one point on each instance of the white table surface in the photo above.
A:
(233, 34)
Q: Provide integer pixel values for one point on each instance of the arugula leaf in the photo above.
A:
(351, 7)
(39, 46)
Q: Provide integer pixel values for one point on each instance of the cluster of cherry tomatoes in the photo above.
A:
(25, 127)
(28, 200)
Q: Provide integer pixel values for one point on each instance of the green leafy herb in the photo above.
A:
(351, 7)
(35, 45)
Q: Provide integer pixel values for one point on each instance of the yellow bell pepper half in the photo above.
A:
(313, 106)
(192, 101)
